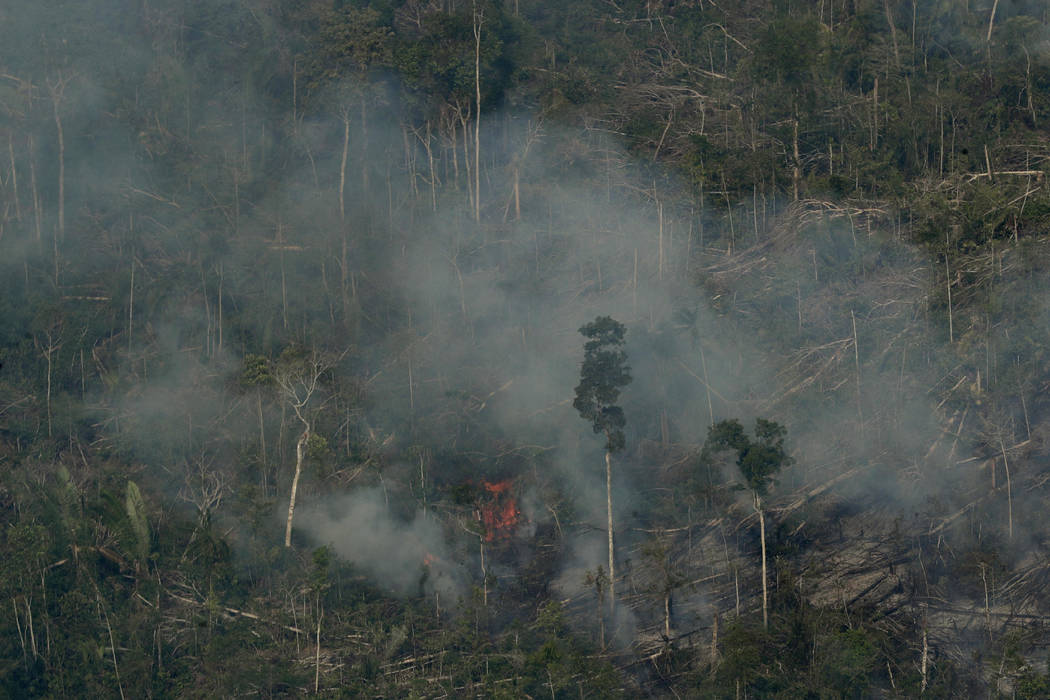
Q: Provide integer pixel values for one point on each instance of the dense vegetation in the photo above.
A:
(290, 296)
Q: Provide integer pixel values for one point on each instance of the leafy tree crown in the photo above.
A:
(758, 459)
(603, 374)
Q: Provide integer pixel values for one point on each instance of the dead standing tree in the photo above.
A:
(298, 375)
(47, 336)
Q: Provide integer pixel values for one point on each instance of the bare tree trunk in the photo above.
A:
(468, 164)
(131, 306)
(736, 589)
(21, 635)
(601, 622)
(856, 360)
(925, 658)
(262, 434)
(284, 284)
(893, 32)
(112, 648)
(317, 657)
(667, 613)
(433, 174)
(875, 115)
(484, 574)
(423, 482)
(517, 193)
(218, 304)
(56, 99)
(209, 347)
(948, 281)
(987, 607)
(14, 172)
(762, 537)
(343, 264)
(300, 451)
(796, 170)
(660, 239)
(455, 153)
(1028, 94)
(940, 123)
(478, 17)
(342, 167)
(29, 626)
(608, 504)
(1009, 494)
(50, 351)
(36, 197)
(364, 145)
(991, 20)
(714, 641)
(707, 385)
(48, 348)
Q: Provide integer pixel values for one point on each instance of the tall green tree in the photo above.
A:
(604, 373)
(758, 459)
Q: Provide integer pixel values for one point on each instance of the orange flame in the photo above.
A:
(499, 514)
(498, 487)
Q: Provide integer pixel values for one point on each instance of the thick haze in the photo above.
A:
(463, 337)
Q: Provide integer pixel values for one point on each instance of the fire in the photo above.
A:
(498, 487)
(429, 559)
(499, 512)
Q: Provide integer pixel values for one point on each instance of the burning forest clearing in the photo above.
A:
(501, 349)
